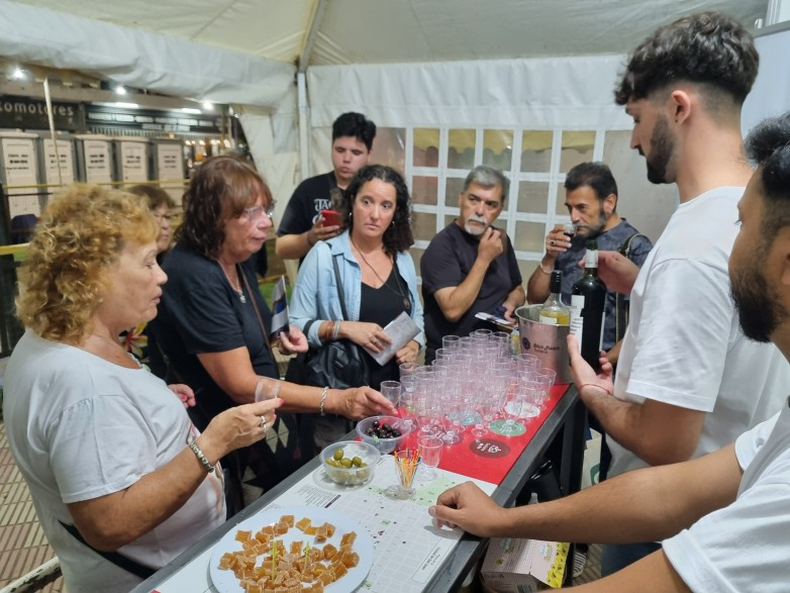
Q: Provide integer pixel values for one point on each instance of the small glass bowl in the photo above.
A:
(353, 475)
(388, 445)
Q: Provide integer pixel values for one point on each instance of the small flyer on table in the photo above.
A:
(401, 330)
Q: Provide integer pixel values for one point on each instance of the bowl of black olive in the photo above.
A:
(386, 433)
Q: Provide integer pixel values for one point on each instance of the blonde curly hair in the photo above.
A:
(78, 241)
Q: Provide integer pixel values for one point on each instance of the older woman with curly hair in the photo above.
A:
(215, 327)
(121, 480)
(377, 273)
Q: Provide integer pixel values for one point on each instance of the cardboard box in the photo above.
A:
(523, 565)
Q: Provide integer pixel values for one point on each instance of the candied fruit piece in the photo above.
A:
(242, 535)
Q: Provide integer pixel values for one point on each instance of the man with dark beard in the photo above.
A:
(723, 517)
(591, 199)
(688, 381)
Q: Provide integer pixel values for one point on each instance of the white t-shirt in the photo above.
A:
(683, 345)
(80, 427)
(745, 546)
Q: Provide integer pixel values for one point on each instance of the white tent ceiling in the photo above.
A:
(393, 31)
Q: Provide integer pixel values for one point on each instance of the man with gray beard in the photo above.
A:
(470, 266)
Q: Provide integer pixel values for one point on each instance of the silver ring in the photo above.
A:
(263, 423)
(551, 243)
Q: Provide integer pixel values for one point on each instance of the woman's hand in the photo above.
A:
(293, 342)
(367, 335)
(408, 353)
(358, 403)
(239, 426)
(184, 393)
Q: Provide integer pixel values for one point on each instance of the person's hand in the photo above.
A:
(319, 232)
(293, 342)
(184, 393)
(583, 374)
(367, 335)
(408, 353)
(508, 310)
(557, 242)
(616, 271)
(471, 509)
(490, 245)
(239, 426)
(359, 402)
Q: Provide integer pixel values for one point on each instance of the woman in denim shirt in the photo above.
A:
(377, 273)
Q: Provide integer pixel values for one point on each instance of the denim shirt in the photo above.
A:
(315, 293)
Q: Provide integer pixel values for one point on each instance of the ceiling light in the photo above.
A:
(18, 74)
(208, 106)
(126, 105)
(120, 89)
(191, 110)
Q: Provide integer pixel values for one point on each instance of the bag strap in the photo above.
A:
(257, 312)
(625, 248)
(119, 560)
(340, 288)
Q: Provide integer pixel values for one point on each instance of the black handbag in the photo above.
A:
(339, 364)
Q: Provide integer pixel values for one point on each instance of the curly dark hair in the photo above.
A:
(222, 187)
(768, 147)
(398, 236)
(709, 48)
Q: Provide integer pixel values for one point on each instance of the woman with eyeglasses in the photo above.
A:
(213, 325)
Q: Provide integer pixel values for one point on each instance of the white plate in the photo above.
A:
(226, 582)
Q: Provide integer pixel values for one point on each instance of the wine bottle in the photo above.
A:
(588, 302)
(554, 311)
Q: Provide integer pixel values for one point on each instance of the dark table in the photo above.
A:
(562, 429)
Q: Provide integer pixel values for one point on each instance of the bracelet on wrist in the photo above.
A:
(200, 455)
(336, 330)
(323, 401)
(544, 270)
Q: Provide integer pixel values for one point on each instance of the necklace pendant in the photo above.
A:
(406, 303)
(242, 298)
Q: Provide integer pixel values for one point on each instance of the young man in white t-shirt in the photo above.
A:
(724, 517)
(688, 381)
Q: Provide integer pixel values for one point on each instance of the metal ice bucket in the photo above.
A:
(547, 342)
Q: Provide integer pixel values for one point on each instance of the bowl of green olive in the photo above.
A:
(350, 463)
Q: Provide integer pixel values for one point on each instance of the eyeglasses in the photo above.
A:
(254, 213)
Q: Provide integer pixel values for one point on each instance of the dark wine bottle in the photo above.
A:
(588, 302)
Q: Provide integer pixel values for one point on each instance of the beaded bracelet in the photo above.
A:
(323, 400)
(200, 455)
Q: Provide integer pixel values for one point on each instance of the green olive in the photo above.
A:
(345, 462)
(356, 461)
(338, 454)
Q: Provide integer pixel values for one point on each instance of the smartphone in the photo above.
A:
(331, 218)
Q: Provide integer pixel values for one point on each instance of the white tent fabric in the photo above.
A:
(141, 59)
(569, 92)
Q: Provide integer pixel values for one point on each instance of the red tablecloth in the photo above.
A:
(491, 457)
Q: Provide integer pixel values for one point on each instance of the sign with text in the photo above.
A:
(98, 166)
(65, 154)
(30, 113)
(152, 120)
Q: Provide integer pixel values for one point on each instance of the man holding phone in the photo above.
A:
(308, 217)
